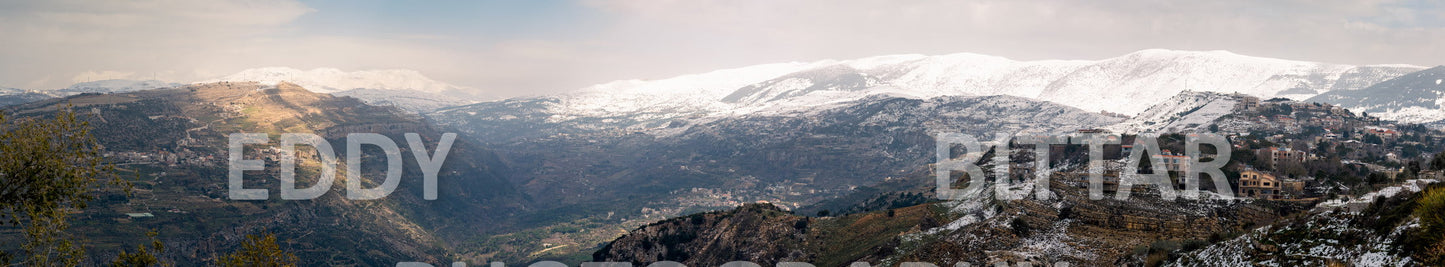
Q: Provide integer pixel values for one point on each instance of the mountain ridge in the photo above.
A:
(403, 88)
(1417, 97)
(1126, 84)
(116, 86)
(327, 80)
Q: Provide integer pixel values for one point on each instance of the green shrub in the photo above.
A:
(1429, 241)
(1431, 210)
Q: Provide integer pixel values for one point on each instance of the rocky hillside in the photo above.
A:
(1381, 232)
(979, 231)
(175, 141)
(760, 233)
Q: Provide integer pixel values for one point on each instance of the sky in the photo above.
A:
(519, 48)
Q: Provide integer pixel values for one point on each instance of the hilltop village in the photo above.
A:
(1289, 151)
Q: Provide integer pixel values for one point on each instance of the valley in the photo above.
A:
(836, 156)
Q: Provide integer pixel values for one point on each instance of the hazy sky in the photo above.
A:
(529, 47)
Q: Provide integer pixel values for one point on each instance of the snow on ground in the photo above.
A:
(1331, 239)
(1324, 236)
(1414, 114)
(1053, 243)
(1359, 203)
(974, 208)
(1188, 110)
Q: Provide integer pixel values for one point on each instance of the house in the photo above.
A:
(1437, 175)
(1276, 155)
(1247, 103)
(1383, 132)
(1284, 119)
(1172, 162)
(1256, 184)
(1331, 123)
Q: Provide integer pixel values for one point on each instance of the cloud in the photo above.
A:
(1335, 31)
(144, 23)
(68, 37)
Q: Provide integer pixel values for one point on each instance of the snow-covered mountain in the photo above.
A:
(1414, 98)
(1184, 112)
(1133, 82)
(1127, 84)
(13, 96)
(406, 89)
(413, 101)
(115, 86)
